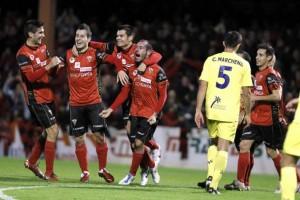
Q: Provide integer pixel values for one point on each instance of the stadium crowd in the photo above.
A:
(184, 43)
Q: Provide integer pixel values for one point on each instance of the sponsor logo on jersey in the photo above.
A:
(77, 65)
(145, 80)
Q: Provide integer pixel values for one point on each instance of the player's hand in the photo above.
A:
(292, 105)
(53, 62)
(253, 97)
(152, 119)
(247, 121)
(122, 77)
(75, 51)
(106, 113)
(199, 119)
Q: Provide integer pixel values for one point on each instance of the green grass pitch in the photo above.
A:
(176, 184)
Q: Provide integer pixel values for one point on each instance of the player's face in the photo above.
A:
(123, 40)
(140, 52)
(261, 58)
(38, 36)
(81, 39)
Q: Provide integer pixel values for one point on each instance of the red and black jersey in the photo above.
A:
(148, 91)
(32, 62)
(82, 72)
(125, 58)
(263, 112)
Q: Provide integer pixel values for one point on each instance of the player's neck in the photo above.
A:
(125, 48)
(260, 68)
(229, 50)
(83, 50)
(31, 44)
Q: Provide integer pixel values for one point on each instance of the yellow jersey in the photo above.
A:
(225, 74)
(297, 114)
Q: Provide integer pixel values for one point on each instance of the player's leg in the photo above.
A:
(45, 114)
(78, 127)
(291, 150)
(225, 133)
(98, 126)
(211, 153)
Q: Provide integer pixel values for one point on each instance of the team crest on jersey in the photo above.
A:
(74, 121)
(119, 55)
(38, 61)
(89, 58)
(150, 70)
(31, 57)
(72, 60)
(134, 73)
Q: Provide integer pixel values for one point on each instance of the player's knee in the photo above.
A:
(52, 133)
(272, 152)
(138, 144)
(245, 146)
(100, 137)
(287, 160)
(79, 140)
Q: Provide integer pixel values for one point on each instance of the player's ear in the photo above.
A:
(223, 44)
(130, 38)
(30, 34)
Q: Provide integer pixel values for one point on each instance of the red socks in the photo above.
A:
(135, 163)
(49, 157)
(102, 155)
(81, 154)
(247, 178)
(276, 161)
(243, 164)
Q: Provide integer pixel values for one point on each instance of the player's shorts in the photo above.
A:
(292, 141)
(43, 114)
(141, 129)
(224, 130)
(126, 110)
(272, 136)
(81, 117)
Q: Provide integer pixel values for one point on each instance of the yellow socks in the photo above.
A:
(211, 156)
(220, 166)
(288, 183)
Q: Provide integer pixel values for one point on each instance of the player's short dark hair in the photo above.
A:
(245, 55)
(148, 45)
(269, 49)
(128, 29)
(85, 27)
(232, 39)
(31, 26)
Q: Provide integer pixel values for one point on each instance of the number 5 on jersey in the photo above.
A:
(223, 75)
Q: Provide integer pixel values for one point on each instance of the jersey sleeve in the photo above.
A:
(27, 69)
(273, 82)
(154, 58)
(246, 77)
(205, 71)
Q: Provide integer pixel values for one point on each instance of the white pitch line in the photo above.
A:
(6, 197)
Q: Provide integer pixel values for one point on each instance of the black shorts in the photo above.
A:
(81, 117)
(272, 136)
(141, 129)
(43, 114)
(126, 110)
